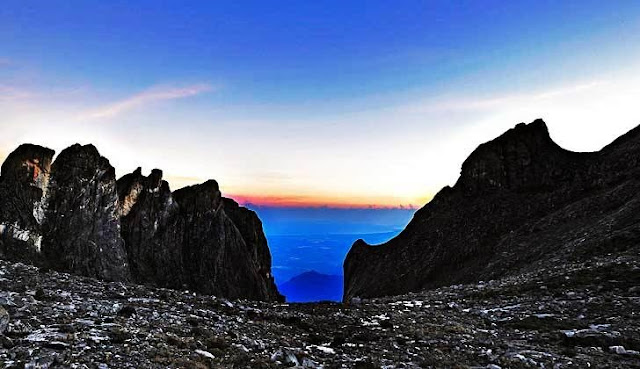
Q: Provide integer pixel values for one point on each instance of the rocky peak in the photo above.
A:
(155, 178)
(23, 181)
(131, 185)
(224, 250)
(523, 157)
(521, 200)
(72, 215)
(81, 226)
(84, 161)
(200, 198)
(129, 188)
(134, 228)
(149, 228)
(250, 227)
(193, 238)
(28, 164)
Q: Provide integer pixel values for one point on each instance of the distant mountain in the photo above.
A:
(72, 215)
(312, 286)
(521, 203)
(324, 253)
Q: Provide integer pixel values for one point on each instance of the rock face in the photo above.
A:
(23, 182)
(223, 257)
(74, 216)
(521, 202)
(149, 220)
(81, 230)
(249, 225)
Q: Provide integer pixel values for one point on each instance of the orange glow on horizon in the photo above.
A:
(301, 201)
(307, 197)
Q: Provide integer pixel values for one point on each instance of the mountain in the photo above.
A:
(312, 286)
(559, 231)
(521, 203)
(72, 215)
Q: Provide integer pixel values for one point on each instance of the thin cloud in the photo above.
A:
(149, 96)
(471, 104)
(11, 93)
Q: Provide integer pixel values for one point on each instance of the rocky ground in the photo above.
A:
(578, 315)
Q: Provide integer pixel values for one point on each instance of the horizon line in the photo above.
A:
(334, 206)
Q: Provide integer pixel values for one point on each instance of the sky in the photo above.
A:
(314, 103)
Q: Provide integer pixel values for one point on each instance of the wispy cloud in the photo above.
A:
(152, 95)
(480, 103)
(11, 93)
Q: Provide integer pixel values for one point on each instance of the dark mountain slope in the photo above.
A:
(521, 202)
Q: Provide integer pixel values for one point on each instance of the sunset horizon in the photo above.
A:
(314, 105)
(251, 184)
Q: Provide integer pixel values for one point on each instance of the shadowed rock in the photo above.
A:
(81, 225)
(149, 220)
(215, 252)
(74, 216)
(23, 182)
(521, 201)
(250, 227)
(193, 238)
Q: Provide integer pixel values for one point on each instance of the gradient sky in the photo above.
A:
(336, 103)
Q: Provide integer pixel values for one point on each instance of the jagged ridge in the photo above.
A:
(72, 215)
(521, 201)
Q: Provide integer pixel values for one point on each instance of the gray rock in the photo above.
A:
(4, 320)
(81, 227)
(507, 322)
(618, 350)
(149, 220)
(23, 182)
(220, 260)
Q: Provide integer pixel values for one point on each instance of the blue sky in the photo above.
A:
(314, 103)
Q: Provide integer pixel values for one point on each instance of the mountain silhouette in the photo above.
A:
(72, 215)
(521, 202)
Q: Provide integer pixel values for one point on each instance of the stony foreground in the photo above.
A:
(582, 315)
